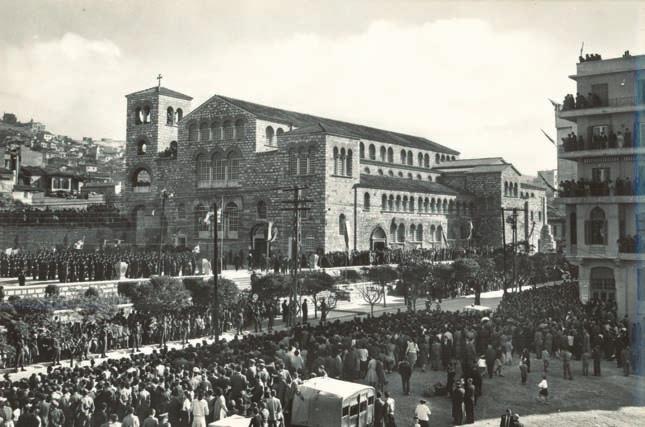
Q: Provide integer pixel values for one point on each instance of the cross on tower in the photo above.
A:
(159, 77)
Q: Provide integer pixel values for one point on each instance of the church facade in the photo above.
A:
(365, 188)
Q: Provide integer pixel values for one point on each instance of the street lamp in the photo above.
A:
(165, 195)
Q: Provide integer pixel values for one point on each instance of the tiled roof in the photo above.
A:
(22, 187)
(531, 186)
(162, 91)
(461, 163)
(402, 184)
(300, 120)
(33, 170)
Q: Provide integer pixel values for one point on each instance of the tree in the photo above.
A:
(444, 277)
(466, 270)
(160, 296)
(272, 286)
(201, 292)
(381, 275)
(371, 294)
(316, 282)
(414, 279)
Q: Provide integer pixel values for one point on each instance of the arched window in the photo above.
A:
(239, 129)
(228, 129)
(380, 172)
(454, 158)
(439, 234)
(138, 116)
(410, 158)
(419, 177)
(573, 228)
(141, 181)
(404, 157)
(372, 152)
(426, 161)
(349, 160)
(383, 202)
(262, 210)
(433, 232)
(390, 172)
(366, 201)
(405, 203)
(181, 211)
(420, 233)
(413, 232)
(383, 154)
(192, 132)
(341, 163)
(278, 133)
(419, 205)
(234, 165)
(173, 149)
(366, 171)
(420, 159)
(216, 130)
(204, 132)
(231, 220)
(410, 176)
(411, 205)
(426, 205)
(341, 225)
(444, 206)
(602, 284)
(443, 157)
(400, 233)
(596, 227)
(179, 114)
(361, 150)
(142, 147)
(540, 216)
(219, 168)
(146, 114)
(336, 171)
(400, 174)
(437, 158)
(390, 203)
(451, 207)
(170, 116)
(515, 190)
(430, 178)
(203, 171)
(433, 205)
(202, 228)
(390, 155)
(505, 188)
(393, 229)
(398, 203)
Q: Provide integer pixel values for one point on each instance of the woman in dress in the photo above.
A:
(372, 376)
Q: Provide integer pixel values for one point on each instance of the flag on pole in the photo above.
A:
(196, 249)
(470, 229)
(348, 232)
(209, 215)
(78, 245)
(548, 137)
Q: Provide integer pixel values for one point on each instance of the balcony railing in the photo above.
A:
(630, 244)
(582, 102)
(600, 142)
(584, 188)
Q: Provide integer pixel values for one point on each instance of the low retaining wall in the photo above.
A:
(105, 287)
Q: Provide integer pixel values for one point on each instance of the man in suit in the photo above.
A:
(405, 370)
(507, 419)
(275, 409)
(238, 383)
(130, 420)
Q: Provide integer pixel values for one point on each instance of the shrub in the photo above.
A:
(92, 292)
(351, 276)
(127, 289)
(52, 290)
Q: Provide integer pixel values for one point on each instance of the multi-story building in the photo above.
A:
(369, 188)
(605, 204)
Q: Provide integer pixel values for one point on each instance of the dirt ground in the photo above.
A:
(609, 400)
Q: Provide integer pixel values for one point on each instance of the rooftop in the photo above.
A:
(464, 163)
(161, 91)
(403, 184)
(324, 125)
(609, 66)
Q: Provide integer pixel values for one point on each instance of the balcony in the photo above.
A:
(622, 191)
(585, 152)
(582, 107)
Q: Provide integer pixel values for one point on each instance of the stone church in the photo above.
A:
(365, 188)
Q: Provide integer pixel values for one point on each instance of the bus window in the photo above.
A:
(345, 411)
(370, 400)
(353, 410)
(363, 405)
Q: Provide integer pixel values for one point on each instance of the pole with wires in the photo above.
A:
(215, 222)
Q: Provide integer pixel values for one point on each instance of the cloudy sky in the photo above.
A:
(473, 76)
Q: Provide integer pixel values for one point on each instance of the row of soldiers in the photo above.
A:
(78, 266)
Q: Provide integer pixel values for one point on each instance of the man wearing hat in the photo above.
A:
(56, 415)
(422, 413)
(458, 396)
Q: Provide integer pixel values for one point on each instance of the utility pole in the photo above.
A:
(504, 246)
(165, 195)
(512, 220)
(215, 271)
(297, 207)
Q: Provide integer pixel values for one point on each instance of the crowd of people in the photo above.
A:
(92, 215)
(258, 375)
(596, 57)
(584, 187)
(580, 101)
(72, 265)
(598, 141)
(630, 244)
